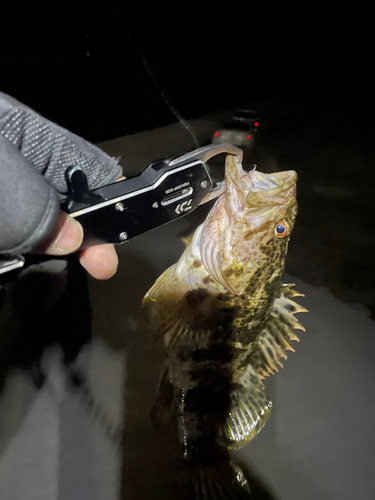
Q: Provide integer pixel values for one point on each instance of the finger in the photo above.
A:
(100, 261)
(65, 238)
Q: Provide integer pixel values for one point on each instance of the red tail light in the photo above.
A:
(217, 134)
(248, 137)
(256, 124)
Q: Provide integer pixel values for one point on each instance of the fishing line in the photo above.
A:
(161, 92)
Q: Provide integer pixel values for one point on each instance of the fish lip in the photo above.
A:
(276, 183)
(267, 197)
(256, 185)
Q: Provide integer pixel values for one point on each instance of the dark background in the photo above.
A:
(99, 69)
(80, 63)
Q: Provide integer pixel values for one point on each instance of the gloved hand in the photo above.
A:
(34, 154)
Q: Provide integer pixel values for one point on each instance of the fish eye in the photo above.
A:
(282, 229)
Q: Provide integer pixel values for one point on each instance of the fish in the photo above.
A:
(227, 321)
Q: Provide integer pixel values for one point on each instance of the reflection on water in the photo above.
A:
(75, 401)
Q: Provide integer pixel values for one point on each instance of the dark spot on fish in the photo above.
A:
(201, 447)
(205, 408)
(203, 315)
(223, 329)
(210, 395)
(197, 263)
(195, 297)
(255, 310)
(207, 280)
(228, 272)
(218, 352)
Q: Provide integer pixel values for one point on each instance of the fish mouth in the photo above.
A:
(275, 184)
(256, 189)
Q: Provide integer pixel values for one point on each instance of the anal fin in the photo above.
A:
(249, 411)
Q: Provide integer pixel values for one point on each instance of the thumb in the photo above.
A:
(66, 237)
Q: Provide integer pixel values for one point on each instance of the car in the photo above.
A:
(237, 132)
(248, 116)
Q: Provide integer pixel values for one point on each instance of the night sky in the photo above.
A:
(81, 65)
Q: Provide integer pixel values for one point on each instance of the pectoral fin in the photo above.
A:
(163, 410)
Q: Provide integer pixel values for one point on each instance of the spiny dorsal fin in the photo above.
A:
(278, 334)
(286, 290)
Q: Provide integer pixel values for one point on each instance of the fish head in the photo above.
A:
(245, 238)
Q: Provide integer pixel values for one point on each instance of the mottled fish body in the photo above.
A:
(226, 318)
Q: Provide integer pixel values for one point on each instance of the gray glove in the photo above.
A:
(34, 154)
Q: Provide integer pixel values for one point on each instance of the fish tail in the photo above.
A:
(205, 472)
(213, 481)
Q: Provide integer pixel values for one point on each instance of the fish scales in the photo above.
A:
(225, 316)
